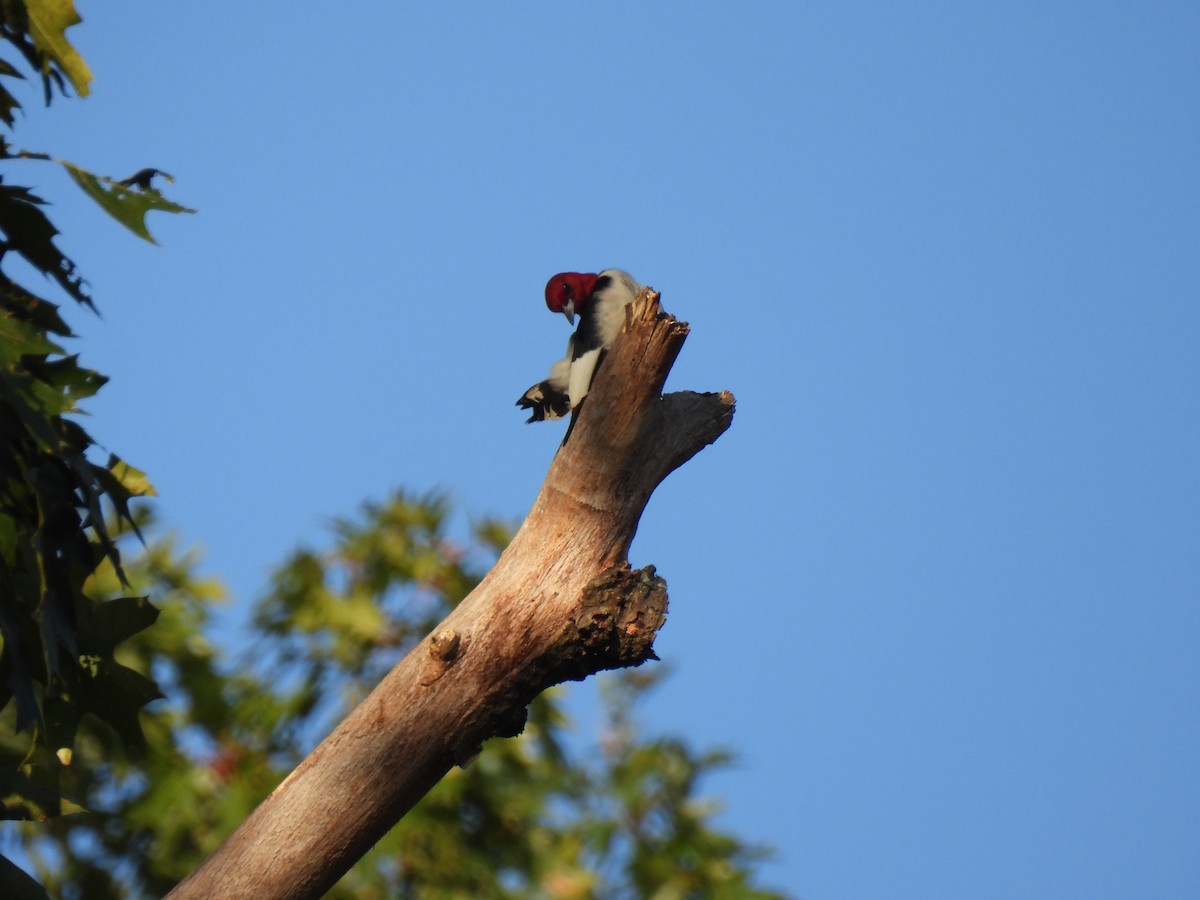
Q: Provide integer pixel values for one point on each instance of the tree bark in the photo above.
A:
(560, 604)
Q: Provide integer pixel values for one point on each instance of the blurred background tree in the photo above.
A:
(552, 813)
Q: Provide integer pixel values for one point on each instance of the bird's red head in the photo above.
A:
(568, 293)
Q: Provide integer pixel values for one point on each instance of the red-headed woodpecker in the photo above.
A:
(599, 301)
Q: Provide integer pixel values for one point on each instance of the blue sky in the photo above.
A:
(938, 584)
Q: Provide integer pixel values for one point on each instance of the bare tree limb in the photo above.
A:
(560, 604)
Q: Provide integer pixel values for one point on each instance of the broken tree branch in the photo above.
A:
(560, 604)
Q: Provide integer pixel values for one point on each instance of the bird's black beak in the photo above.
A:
(569, 311)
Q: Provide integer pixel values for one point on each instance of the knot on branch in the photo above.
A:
(445, 647)
(619, 614)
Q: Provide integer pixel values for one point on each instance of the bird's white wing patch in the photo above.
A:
(581, 374)
(560, 375)
(560, 372)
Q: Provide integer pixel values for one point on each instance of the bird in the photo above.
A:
(599, 300)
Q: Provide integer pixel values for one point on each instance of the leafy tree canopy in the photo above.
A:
(549, 814)
(57, 641)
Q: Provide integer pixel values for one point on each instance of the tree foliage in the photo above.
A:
(58, 643)
(549, 814)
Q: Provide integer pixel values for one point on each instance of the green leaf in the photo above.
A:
(20, 798)
(20, 340)
(132, 479)
(25, 307)
(30, 233)
(107, 624)
(66, 376)
(118, 695)
(16, 664)
(8, 103)
(48, 23)
(128, 205)
(121, 482)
